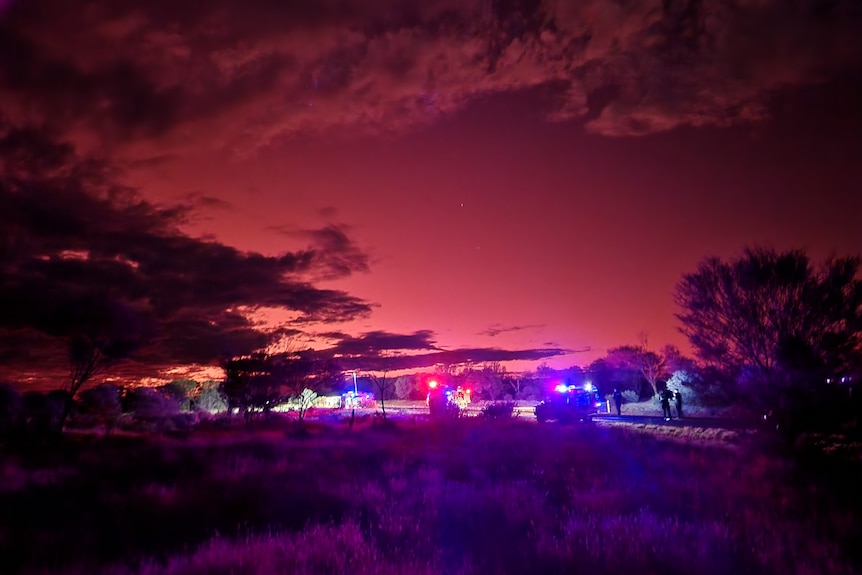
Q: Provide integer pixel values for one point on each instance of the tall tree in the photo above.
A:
(653, 365)
(490, 380)
(644, 365)
(774, 314)
(406, 387)
(675, 361)
(378, 371)
(249, 383)
(383, 385)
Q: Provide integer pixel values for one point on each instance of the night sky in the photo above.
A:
(484, 180)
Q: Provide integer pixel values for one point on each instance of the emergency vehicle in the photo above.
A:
(358, 400)
(442, 400)
(570, 403)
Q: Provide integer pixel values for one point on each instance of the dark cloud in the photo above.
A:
(199, 200)
(333, 252)
(447, 357)
(382, 350)
(375, 343)
(496, 329)
(337, 254)
(239, 74)
(71, 236)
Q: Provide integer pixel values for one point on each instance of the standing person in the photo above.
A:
(618, 401)
(677, 396)
(665, 396)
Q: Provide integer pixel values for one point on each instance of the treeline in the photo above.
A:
(177, 404)
(253, 386)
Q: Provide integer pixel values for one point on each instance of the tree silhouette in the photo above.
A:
(257, 382)
(774, 315)
(98, 331)
(490, 379)
(638, 361)
(249, 383)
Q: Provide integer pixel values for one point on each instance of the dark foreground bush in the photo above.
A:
(12, 415)
(499, 410)
(44, 411)
(459, 496)
(100, 405)
(147, 403)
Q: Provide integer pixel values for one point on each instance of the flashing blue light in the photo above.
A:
(588, 387)
(561, 388)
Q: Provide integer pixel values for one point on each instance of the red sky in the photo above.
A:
(494, 227)
(520, 174)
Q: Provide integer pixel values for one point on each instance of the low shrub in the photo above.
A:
(101, 405)
(104, 399)
(148, 403)
(182, 391)
(12, 415)
(209, 398)
(499, 410)
(44, 411)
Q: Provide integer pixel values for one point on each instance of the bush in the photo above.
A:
(182, 391)
(102, 403)
(305, 400)
(531, 392)
(822, 409)
(210, 398)
(405, 387)
(12, 416)
(499, 410)
(104, 399)
(149, 403)
(714, 388)
(44, 412)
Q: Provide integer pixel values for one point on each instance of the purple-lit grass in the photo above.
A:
(466, 497)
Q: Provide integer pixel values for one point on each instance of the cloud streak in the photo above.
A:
(496, 329)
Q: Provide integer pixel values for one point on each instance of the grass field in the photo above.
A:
(467, 497)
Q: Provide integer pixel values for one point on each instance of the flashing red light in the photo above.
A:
(432, 384)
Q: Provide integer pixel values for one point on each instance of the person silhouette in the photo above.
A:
(677, 396)
(618, 401)
(665, 397)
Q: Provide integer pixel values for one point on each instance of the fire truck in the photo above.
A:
(443, 400)
(570, 403)
(358, 400)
